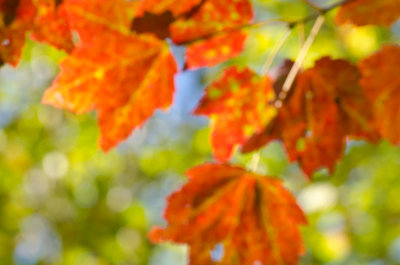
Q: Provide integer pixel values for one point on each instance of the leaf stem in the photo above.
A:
(253, 165)
(299, 61)
(312, 5)
(275, 51)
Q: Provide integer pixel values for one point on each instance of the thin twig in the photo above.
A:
(313, 6)
(253, 165)
(275, 51)
(300, 59)
(302, 34)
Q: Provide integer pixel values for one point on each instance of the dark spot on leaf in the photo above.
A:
(155, 24)
(9, 10)
(194, 10)
(58, 2)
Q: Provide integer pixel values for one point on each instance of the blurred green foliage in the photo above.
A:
(62, 201)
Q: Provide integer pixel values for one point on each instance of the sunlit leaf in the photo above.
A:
(240, 105)
(248, 218)
(125, 77)
(52, 25)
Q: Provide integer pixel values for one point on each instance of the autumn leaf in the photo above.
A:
(326, 107)
(157, 24)
(253, 218)
(52, 26)
(122, 75)
(156, 17)
(367, 12)
(210, 28)
(213, 32)
(177, 7)
(215, 50)
(239, 104)
(17, 18)
(47, 22)
(381, 83)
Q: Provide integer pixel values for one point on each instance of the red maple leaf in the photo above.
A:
(52, 26)
(213, 31)
(239, 103)
(381, 83)
(253, 218)
(325, 108)
(177, 7)
(366, 12)
(122, 75)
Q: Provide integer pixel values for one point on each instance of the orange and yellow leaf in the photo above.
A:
(250, 218)
(369, 12)
(381, 83)
(210, 29)
(122, 75)
(52, 25)
(239, 104)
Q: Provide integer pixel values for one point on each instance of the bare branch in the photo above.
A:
(300, 59)
(275, 51)
(313, 6)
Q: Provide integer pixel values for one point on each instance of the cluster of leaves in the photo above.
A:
(119, 64)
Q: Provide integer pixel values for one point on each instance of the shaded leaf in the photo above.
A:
(381, 83)
(9, 9)
(239, 103)
(227, 206)
(17, 18)
(366, 12)
(177, 7)
(156, 17)
(326, 107)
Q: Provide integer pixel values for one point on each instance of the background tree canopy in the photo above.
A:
(65, 201)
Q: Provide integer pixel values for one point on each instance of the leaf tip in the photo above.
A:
(156, 235)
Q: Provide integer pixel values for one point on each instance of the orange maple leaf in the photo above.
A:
(52, 26)
(16, 18)
(326, 107)
(177, 7)
(122, 75)
(253, 218)
(366, 12)
(381, 83)
(239, 103)
(156, 17)
(214, 31)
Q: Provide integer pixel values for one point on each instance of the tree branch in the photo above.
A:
(290, 24)
(312, 5)
(275, 51)
(299, 61)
